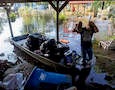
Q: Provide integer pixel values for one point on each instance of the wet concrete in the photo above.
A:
(88, 79)
(100, 79)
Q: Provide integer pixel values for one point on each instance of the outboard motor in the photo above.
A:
(34, 41)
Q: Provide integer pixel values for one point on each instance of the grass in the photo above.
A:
(112, 37)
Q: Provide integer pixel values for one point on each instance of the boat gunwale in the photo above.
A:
(36, 56)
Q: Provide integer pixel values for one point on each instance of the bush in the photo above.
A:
(62, 18)
(26, 14)
(12, 16)
(34, 19)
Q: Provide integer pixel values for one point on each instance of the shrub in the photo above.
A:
(12, 16)
(62, 18)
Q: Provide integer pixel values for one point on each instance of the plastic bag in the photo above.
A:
(13, 81)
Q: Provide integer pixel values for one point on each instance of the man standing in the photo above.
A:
(86, 39)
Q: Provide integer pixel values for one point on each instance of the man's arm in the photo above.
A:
(94, 27)
(78, 27)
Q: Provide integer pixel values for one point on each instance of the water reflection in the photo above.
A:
(5, 46)
(87, 78)
(100, 81)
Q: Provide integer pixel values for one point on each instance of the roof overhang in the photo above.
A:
(20, 1)
(23, 1)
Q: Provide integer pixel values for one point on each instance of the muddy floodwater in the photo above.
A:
(93, 79)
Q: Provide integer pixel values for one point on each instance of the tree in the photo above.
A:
(25, 13)
(100, 4)
(33, 18)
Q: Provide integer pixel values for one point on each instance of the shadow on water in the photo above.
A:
(89, 79)
(81, 77)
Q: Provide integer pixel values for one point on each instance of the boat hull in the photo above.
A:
(38, 60)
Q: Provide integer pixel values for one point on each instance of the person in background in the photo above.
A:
(86, 39)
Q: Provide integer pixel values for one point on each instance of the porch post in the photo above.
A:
(57, 23)
(103, 3)
(58, 10)
(10, 26)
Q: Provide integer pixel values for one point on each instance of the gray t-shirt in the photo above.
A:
(86, 36)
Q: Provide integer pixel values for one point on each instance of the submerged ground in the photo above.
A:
(105, 59)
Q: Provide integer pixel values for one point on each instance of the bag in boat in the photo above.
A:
(55, 51)
(49, 47)
(71, 57)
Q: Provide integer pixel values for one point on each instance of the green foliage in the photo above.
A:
(112, 37)
(25, 13)
(98, 4)
(42, 3)
(44, 16)
(95, 41)
(79, 14)
(107, 3)
(34, 19)
(62, 18)
(12, 16)
(28, 29)
(112, 12)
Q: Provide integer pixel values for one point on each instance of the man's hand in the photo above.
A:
(93, 26)
(91, 23)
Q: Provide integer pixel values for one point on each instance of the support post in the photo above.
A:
(10, 26)
(103, 3)
(57, 23)
(58, 10)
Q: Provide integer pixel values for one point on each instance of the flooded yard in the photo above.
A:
(39, 17)
(6, 49)
(103, 66)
